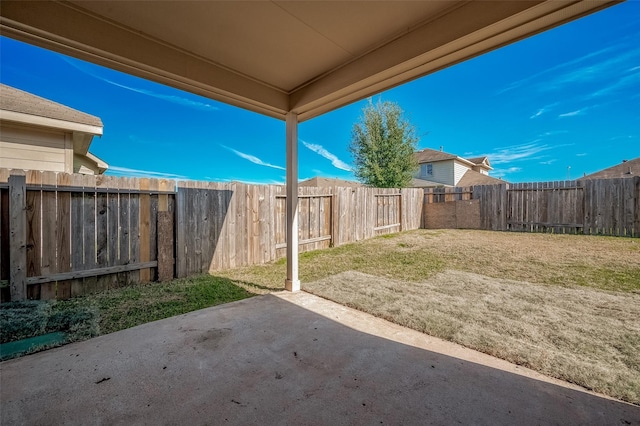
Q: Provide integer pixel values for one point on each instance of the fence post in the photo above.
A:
(400, 210)
(18, 237)
(332, 218)
(180, 210)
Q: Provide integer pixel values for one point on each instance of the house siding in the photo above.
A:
(458, 171)
(31, 149)
(442, 172)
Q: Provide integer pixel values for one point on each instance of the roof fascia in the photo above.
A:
(36, 120)
(99, 162)
(465, 161)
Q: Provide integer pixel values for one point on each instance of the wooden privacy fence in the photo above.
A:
(590, 206)
(64, 235)
(227, 225)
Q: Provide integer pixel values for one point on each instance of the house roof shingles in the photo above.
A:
(12, 99)
(471, 177)
(628, 168)
(478, 160)
(426, 155)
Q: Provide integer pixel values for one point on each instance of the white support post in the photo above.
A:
(292, 282)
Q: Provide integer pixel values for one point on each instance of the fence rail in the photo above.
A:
(590, 206)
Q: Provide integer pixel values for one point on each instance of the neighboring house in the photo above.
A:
(321, 182)
(38, 134)
(628, 168)
(438, 168)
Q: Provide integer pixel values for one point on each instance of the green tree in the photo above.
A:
(383, 143)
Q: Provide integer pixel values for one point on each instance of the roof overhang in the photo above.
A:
(276, 57)
(100, 164)
(52, 123)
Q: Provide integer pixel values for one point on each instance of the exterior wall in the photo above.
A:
(481, 170)
(443, 172)
(83, 165)
(458, 171)
(35, 149)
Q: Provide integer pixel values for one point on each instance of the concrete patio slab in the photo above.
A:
(286, 359)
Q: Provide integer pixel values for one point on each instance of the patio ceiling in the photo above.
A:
(275, 57)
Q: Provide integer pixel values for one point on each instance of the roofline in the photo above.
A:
(102, 165)
(36, 120)
(464, 160)
(455, 157)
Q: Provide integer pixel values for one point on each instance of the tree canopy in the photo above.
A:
(383, 143)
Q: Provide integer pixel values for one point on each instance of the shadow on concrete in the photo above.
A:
(281, 359)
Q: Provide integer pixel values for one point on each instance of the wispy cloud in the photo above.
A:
(170, 98)
(604, 66)
(517, 152)
(573, 113)
(252, 158)
(553, 133)
(624, 137)
(335, 161)
(180, 100)
(602, 70)
(125, 171)
(631, 79)
(500, 173)
(548, 162)
(582, 154)
(532, 78)
(538, 113)
(535, 150)
(545, 109)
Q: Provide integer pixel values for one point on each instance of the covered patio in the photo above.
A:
(286, 358)
(288, 60)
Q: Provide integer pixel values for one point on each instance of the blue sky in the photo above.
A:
(562, 103)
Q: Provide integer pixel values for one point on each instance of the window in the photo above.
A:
(426, 170)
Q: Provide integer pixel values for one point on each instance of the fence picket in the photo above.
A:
(34, 227)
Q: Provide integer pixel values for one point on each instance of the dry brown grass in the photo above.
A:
(567, 306)
(601, 262)
(585, 336)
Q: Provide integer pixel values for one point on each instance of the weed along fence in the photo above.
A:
(65, 235)
(590, 206)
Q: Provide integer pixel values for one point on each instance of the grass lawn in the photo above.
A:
(113, 310)
(567, 306)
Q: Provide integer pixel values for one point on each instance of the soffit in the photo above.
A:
(273, 57)
(281, 44)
